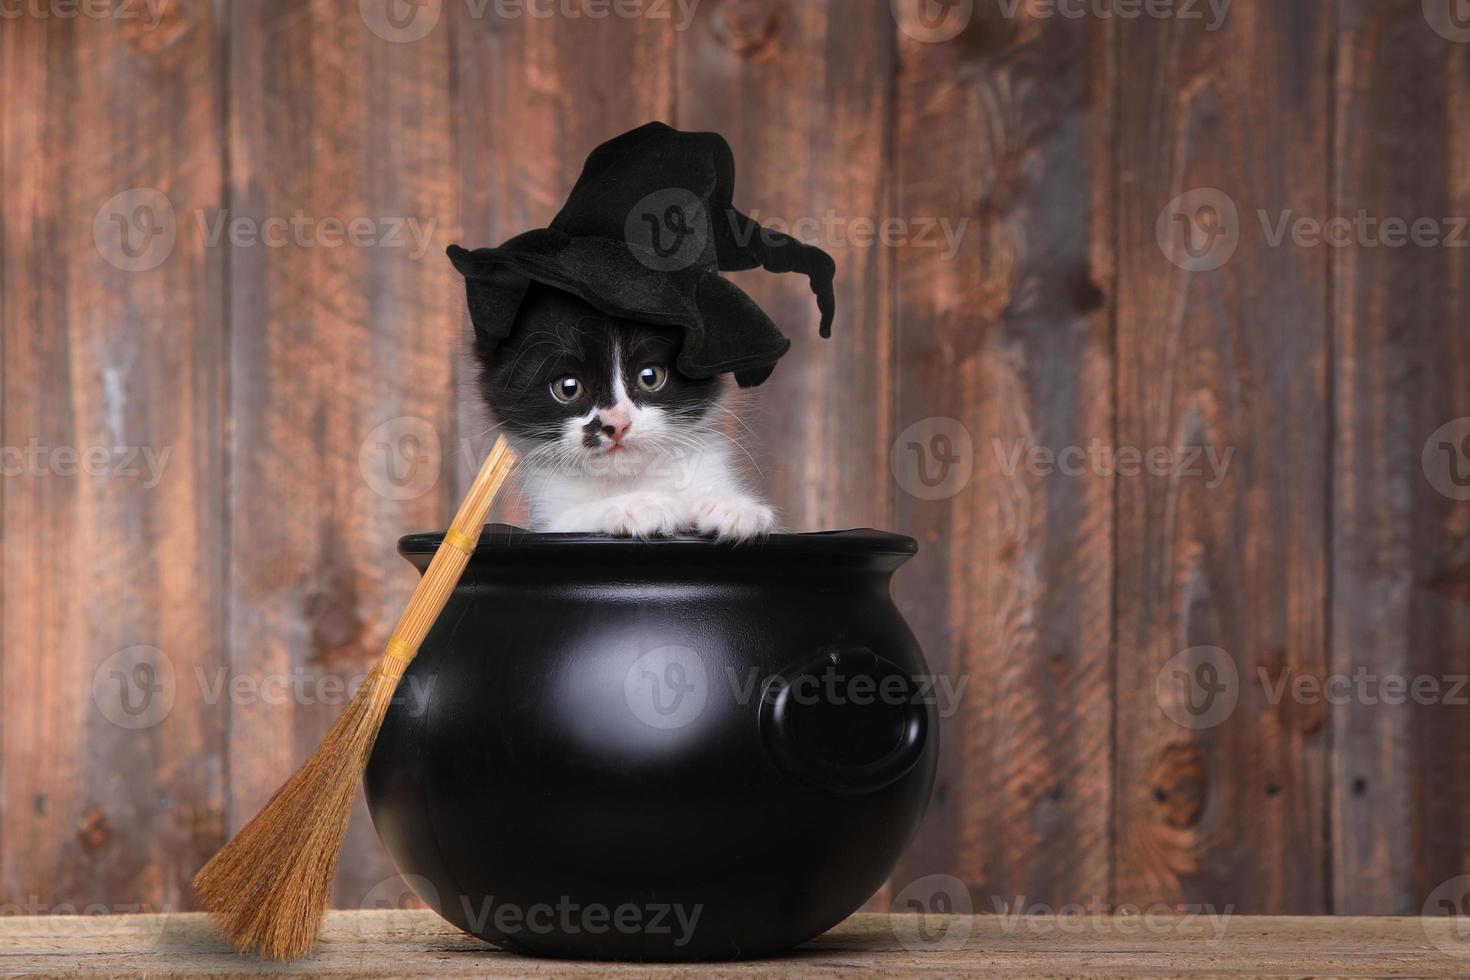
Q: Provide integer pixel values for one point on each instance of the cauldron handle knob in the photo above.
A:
(847, 720)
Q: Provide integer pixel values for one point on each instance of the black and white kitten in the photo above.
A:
(612, 437)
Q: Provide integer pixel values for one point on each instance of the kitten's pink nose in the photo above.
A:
(615, 425)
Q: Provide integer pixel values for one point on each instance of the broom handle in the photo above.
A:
(454, 553)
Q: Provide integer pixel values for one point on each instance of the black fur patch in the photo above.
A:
(592, 433)
(557, 335)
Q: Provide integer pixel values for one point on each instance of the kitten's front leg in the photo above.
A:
(733, 517)
(632, 515)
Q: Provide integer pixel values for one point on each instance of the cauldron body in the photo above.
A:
(657, 750)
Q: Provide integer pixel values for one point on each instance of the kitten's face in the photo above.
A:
(587, 392)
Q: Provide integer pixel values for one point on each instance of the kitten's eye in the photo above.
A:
(652, 377)
(566, 390)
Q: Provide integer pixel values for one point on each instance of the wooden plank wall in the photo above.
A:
(315, 401)
(113, 778)
(1232, 360)
(1401, 537)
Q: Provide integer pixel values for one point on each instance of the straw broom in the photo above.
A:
(267, 889)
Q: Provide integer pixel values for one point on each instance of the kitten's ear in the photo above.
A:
(494, 294)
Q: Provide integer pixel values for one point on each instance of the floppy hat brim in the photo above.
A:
(724, 329)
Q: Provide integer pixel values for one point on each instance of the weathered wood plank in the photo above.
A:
(1401, 544)
(1224, 806)
(112, 430)
(417, 943)
(534, 95)
(1003, 347)
(342, 367)
(803, 92)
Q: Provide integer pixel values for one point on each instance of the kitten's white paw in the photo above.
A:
(733, 518)
(638, 515)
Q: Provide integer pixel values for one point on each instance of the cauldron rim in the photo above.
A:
(507, 541)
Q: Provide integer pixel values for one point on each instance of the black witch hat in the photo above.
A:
(643, 236)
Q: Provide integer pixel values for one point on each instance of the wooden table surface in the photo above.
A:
(418, 944)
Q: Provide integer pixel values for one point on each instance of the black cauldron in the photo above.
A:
(660, 750)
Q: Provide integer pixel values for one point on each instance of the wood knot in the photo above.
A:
(155, 28)
(1453, 578)
(1179, 784)
(94, 832)
(746, 26)
(335, 626)
(1294, 694)
(1087, 296)
(205, 827)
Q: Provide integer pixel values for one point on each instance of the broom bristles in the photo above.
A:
(267, 889)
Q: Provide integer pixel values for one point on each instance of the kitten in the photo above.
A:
(613, 438)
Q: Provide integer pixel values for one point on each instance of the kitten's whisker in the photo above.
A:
(738, 420)
(740, 446)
